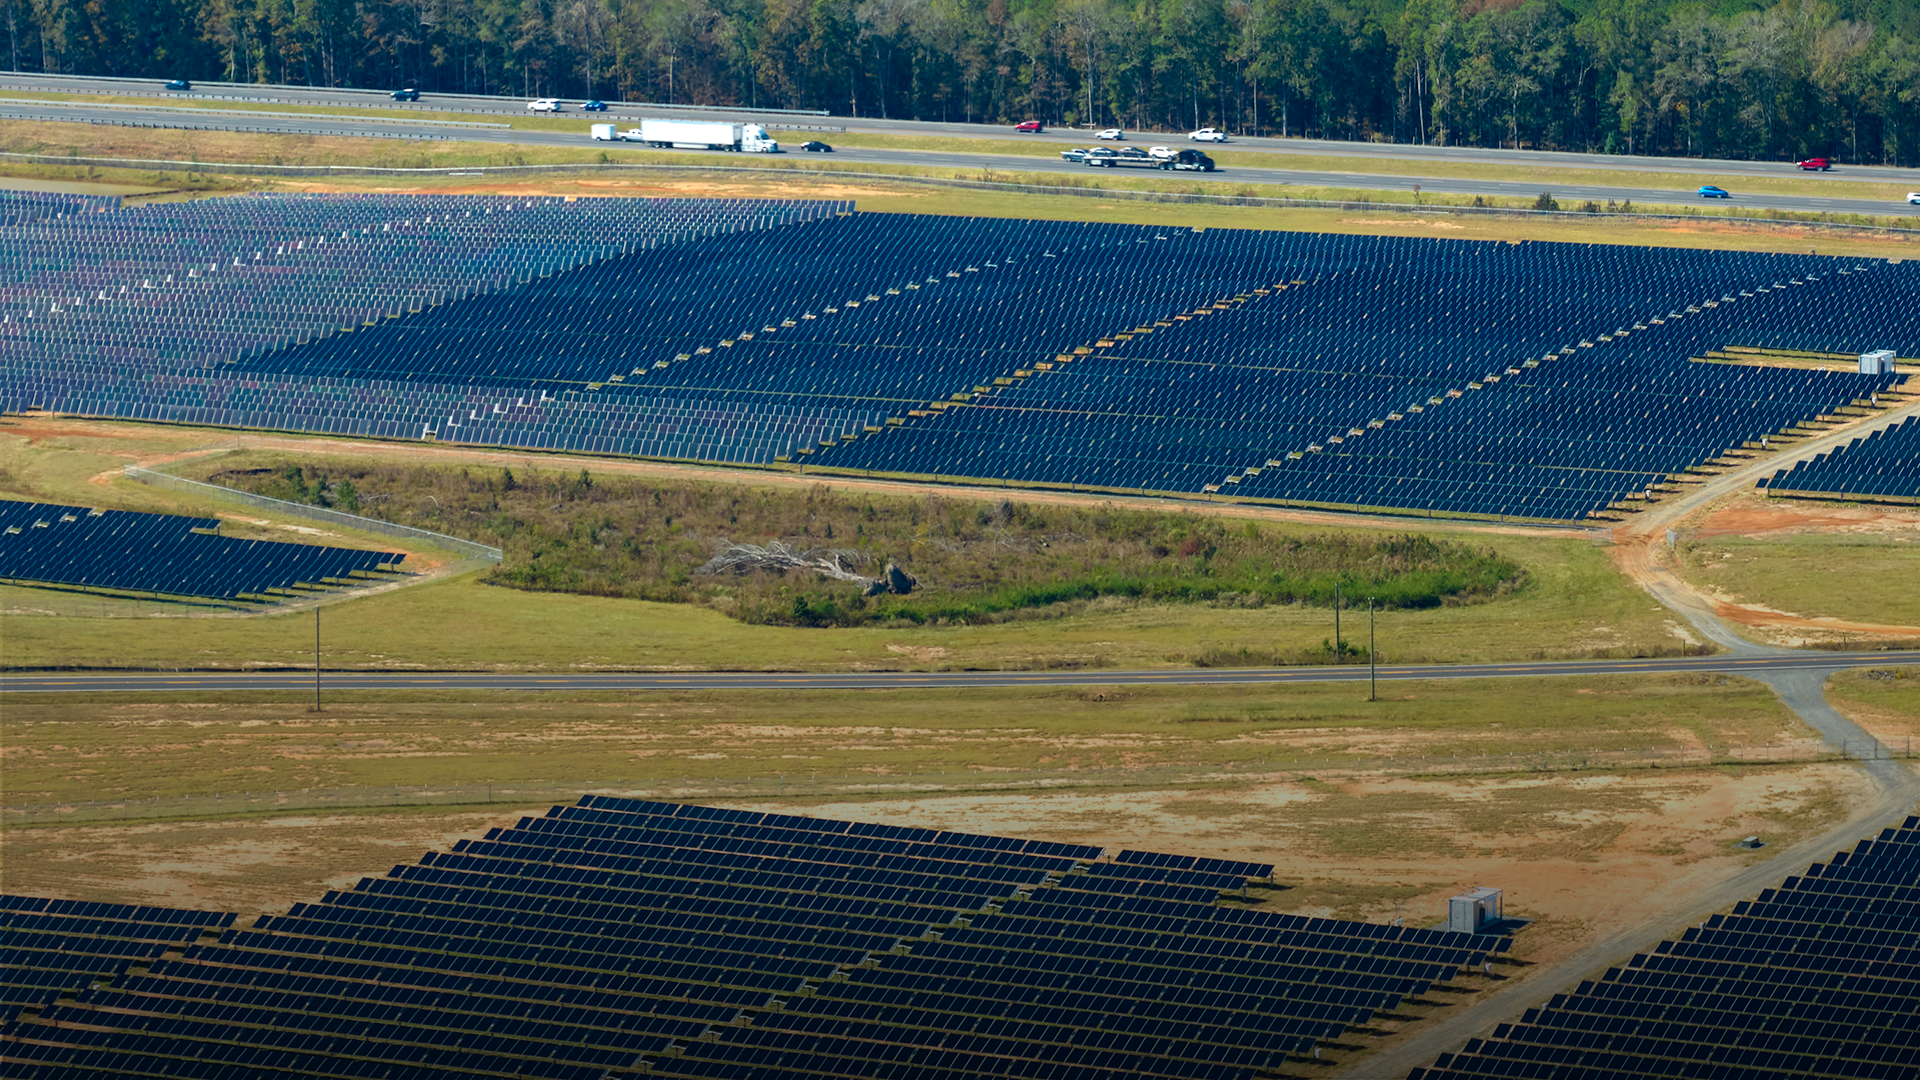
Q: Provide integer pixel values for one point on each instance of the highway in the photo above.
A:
(583, 682)
(147, 104)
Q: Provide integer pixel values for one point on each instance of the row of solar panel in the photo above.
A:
(161, 553)
(980, 312)
(1884, 463)
(1767, 990)
(334, 969)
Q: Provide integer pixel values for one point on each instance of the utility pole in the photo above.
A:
(1372, 673)
(1336, 621)
(316, 659)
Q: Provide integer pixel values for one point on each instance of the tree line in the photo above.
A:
(1725, 78)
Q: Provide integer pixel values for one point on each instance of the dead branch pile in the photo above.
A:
(777, 557)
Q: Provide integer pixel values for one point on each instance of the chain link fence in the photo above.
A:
(313, 513)
(815, 785)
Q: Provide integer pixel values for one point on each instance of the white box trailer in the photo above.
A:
(706, 135)
(605, 133)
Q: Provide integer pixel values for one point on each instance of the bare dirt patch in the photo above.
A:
(1758, 518)
(1402, 222)
(248, 865)
(1575, 852)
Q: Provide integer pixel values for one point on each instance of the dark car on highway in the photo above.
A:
(593, 105)
(814, 147)
(408, 94)
(1188, 161)
(1133, 152)
(179, 84)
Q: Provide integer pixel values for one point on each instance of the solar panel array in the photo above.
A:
(1884, 464)
(1461, 377)
(26, 207)
(126, 551)
(618, 938)
(1817, 978)
(53, 947)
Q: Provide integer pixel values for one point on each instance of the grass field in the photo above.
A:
(1847, 575)
(1574, 604)
(1885, 701)
(61, 748)
(651, 538)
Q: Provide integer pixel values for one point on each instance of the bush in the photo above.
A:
(977, 561)
(1545, 202)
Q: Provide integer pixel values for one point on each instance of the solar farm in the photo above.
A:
(1494, 389)
(1884, 464)
(119, 550)
(1407, 375)
(617, 938)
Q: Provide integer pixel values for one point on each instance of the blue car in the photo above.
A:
(1708, 191)
(594, 106)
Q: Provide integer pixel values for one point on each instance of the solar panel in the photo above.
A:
(1819, 977)
(620, 936)
(122, 550)
(1434, 376)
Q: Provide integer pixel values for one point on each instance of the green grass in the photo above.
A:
(1574, 604)
(62, 747)
(649, 538)
(1844, 576)
(1886, 701)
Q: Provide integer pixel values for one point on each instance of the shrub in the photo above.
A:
(977, 562)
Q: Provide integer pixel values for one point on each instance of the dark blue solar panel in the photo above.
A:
(1883, 464)
(1457, 377)
(626, 937)
(1820, 977)
(161, 553)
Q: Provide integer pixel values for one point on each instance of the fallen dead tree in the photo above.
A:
(777, 557)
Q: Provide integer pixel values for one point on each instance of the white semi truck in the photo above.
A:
(703, 135)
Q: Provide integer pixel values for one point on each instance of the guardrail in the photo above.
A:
(827, 171)
(315, 513)
(814, 785)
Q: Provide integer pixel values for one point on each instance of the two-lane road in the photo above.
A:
(583, 682)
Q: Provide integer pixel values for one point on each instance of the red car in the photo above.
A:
(1813, 164)
(1029, 127)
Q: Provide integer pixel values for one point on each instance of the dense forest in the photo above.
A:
(1731, 78)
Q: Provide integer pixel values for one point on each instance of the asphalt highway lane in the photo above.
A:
(795, 119)
(295, 680)
(296, 124)
(147, 104)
